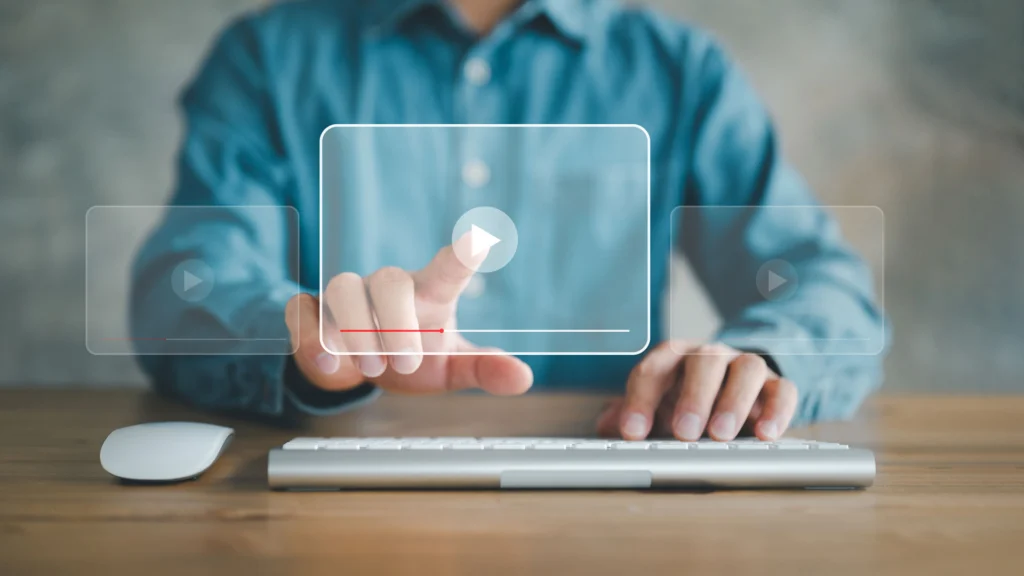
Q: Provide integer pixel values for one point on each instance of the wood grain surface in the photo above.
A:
(949, 499)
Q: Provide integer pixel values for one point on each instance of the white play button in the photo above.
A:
(480, 240)
(191, 281)
(775, 281)
(491, 233)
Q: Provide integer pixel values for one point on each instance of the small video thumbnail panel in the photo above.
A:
(790, 269)
(192, 280)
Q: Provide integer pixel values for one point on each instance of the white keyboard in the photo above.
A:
(550, 462)
(466, 443)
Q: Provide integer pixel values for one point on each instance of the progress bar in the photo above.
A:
(194, 339)
(543, 331)
(481, 331)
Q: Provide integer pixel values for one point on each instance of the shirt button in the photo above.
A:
(475, 288)
(476, 174)
(477, 71)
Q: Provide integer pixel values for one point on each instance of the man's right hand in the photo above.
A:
(406, 302)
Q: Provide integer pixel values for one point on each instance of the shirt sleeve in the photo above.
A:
(230, 162)
(774, 216)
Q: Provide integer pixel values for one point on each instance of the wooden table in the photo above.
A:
(949, 499)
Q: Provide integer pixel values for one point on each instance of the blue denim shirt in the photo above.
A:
(274, 80)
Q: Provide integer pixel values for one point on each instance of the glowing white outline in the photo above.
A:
(880, 297)
(647, 136)
(298, 289)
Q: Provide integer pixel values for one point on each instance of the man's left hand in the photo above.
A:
(711, 388)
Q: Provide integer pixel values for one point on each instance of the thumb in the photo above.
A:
(490, 369)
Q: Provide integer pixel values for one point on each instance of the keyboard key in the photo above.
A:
(551, 446)
(830, 446)
(465, 446)
(748, 446)
(631, 445)
(388, 444)
(342, 444)
(790, 446)
(494, 441)
(304, 443)
(672, 445)
(424, 446)
(590, 446)
(711, 446)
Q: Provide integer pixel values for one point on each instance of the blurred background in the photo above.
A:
(915, 106)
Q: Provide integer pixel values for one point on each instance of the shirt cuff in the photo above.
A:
(309, 399)
(285, 389)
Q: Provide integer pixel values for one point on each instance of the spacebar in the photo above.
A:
(576, 479)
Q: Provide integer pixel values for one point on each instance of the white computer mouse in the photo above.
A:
(163, 451)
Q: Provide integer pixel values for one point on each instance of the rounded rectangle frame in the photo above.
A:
(858, 231)
(632, 350)
(190, 285)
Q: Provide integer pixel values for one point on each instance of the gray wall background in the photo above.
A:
(916, 106)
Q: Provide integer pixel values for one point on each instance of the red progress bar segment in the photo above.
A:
(428, 330)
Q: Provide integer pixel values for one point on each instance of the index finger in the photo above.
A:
(645, 388)
(446, 276)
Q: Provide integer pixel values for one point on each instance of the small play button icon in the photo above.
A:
(192, 280)
(481, 240)
(490, 231)
(776, 280)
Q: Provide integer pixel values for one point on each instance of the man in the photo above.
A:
(276, 79)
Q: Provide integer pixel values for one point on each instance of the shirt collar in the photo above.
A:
(386, 14)
(567, 16)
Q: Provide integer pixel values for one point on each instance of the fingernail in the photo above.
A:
(371, 366)
(724, 425)
(407, 362)
(327, 363)
(770, 429)
(635, 426)
(688, 426)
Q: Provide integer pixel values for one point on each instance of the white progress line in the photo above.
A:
(770, 339)
(226, 339)
(540, 331)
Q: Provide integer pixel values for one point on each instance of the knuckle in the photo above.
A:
(673, 344)
(713, 349)
(787, 388)
(343, 283)
(684, 345)
(643, 370)
(750, 362)
(293, 309)
(390, 276)
(294, 304)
